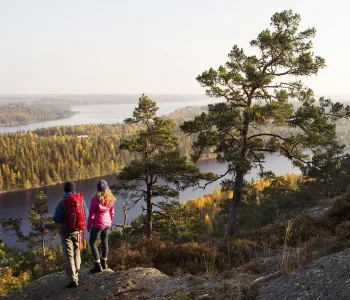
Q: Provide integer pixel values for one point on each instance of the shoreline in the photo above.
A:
(77, 180)
(54, 184)
(39, 121)
(89, 178)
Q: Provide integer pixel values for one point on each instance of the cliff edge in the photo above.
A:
(136, 283)
(327, 278)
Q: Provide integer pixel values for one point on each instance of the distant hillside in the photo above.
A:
(190, 112)
(19, 113)
(187, 113)
(98, 99)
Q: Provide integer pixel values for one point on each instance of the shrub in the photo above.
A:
(254, 266)
(115, 238)
(343, 230)
(238, 251)
(340, 211)
(10, 283)
(125, 257)
(305, 227)
(169, 258)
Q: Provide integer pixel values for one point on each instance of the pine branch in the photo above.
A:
(267, 134)
(216, 179)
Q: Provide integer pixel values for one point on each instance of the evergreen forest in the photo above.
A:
(19, 113)
(48, 156)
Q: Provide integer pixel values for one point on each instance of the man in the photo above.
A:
(70, 215)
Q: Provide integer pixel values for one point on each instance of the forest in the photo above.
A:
(48, 156)
(19, 113)
(53, 155)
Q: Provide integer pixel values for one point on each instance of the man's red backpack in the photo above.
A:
(75, 212)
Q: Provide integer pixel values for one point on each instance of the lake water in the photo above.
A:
(17, 204)
(105, 114)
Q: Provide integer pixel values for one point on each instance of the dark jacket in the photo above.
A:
(59, 216)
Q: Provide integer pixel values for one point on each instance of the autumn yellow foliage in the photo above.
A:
(209, 204)
(10, 283)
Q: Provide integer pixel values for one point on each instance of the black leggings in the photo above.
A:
(94, 235)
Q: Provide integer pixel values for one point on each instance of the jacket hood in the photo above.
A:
(102, 208)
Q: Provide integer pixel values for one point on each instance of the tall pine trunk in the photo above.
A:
(43, 252)
(237, 196)
(42, 236)
(149, 213)
(239, 180)
(43, 245)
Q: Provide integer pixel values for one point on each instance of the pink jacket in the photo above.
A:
(100, 216)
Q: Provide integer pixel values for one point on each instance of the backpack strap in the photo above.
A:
(64, 222)
(81, 245)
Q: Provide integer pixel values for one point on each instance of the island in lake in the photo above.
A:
(19, 113)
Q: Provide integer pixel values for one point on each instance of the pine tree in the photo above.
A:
(43, 230)
(326, 168)
(259, 91)
(158, 161)
(41, 223)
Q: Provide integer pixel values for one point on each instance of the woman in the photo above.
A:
(101, 214)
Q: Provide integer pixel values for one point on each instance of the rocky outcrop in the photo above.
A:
(326, 278)
(137, 283)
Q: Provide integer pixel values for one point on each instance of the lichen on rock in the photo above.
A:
(326, 278)
(136, 283)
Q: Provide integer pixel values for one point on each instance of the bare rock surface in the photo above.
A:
(326, 278)
(137, 283)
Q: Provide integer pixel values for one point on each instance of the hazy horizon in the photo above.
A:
(156, 47)
(134, 94)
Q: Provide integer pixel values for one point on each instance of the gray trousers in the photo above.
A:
(70, 248)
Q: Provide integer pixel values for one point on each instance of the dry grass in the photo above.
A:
(237, 286)
(205, 259)
(277, 247)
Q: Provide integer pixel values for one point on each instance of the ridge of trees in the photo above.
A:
(21, 167)
(19, 113)
(53, 155)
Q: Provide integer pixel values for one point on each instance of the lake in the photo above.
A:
(17, 204)
(107, 114)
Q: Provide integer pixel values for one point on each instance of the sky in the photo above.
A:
(153, 46)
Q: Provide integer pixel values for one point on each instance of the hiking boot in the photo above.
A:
(96, 268)
(104, 263)
(72, 284)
